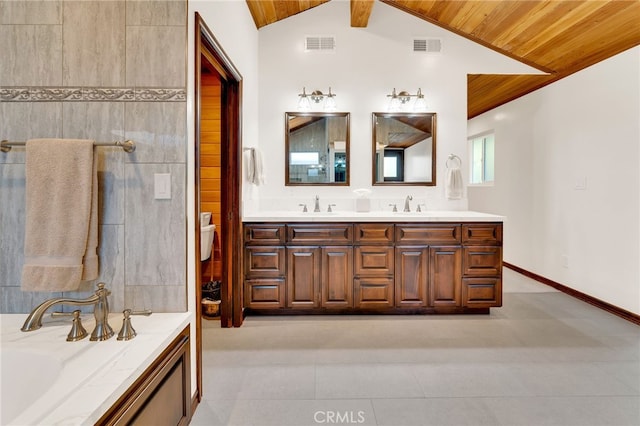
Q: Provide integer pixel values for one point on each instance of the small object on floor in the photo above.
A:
(211, 290)
(210, 308)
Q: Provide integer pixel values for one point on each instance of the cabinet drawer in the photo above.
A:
(374, 260)
(482, 261)
(267, 293)
(264, 261)
(373, 233)
(320, 234)
(264, 234)
(481, 292)
(373, 292)
(445, 234)
(482, 234)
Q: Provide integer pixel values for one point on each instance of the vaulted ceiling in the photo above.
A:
(558, 37)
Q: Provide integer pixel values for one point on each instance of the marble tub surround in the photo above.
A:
(88, 77)
(92, 375)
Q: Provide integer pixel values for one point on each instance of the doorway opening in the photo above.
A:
(217, 97)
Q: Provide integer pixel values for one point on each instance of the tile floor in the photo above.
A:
(544, 358)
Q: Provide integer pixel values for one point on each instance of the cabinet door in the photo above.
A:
(373, 292)
(485, 292)
(337, 277)
(264, 293)
(412, 269)
(265, 233)
(374, 260)
(303, 277)
(482, 261)
(445, 278)
(264, 261)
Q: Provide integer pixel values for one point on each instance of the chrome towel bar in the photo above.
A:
(128, 145)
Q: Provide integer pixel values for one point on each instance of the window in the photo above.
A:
(481, 153)
(393, 165)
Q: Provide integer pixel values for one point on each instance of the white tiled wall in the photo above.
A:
(108, 52)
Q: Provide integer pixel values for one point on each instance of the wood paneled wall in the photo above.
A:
(210, 167)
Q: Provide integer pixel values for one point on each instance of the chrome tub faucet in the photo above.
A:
(102, 330)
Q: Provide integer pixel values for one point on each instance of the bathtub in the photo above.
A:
(46, 380)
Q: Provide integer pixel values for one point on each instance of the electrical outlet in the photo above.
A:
(580, 183)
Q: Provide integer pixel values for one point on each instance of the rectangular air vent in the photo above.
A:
(427, 45)
(319, 43)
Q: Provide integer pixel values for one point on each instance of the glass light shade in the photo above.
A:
(304, 104)
(420, 104)
(330, 103)
(394, 104)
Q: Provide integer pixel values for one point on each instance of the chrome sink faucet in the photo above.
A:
(316, 208)
(407, 208)
(102, 330)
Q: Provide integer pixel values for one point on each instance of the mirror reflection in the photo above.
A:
(404, 148)
(317, 148)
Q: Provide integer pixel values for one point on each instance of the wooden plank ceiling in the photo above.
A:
(558, 37)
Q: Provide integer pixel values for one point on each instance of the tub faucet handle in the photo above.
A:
(77, 330)
(126, 332)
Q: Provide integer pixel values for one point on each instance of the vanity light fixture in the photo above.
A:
(316, 96)
(303, 103)
(402, 98)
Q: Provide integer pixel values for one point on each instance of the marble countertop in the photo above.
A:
(375, 216)
(94, 374)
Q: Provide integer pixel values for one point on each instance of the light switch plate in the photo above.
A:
(162, 186)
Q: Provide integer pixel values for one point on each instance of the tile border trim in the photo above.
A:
(92, 94)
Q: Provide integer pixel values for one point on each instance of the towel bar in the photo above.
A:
(128, 145)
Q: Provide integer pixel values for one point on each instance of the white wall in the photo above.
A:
(232, 26)
(584, 128)
(367, 64)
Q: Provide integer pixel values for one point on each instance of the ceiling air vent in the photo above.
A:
(320, 44)
(427, 45)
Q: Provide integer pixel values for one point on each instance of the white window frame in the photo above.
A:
(481, 136)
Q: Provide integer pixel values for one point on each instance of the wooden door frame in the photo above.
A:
(231, 314)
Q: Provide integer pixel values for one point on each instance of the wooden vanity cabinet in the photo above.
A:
(320, 266)
(374, 266)
(379, 267)
(428, 272)
(482, 265)
(264, 266)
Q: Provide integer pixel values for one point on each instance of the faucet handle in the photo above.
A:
(329, 208)
(395, 207)
(418, 209)
(304, 208)
(77, 330)
(126, 332)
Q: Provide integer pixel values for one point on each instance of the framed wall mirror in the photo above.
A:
(404, 148)
(317, 148)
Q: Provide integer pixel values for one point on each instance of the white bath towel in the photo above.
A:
(254, 166)
(61, 227)
(454, 185)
